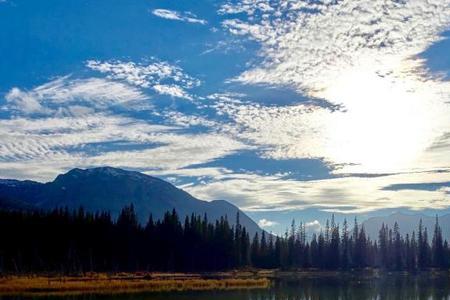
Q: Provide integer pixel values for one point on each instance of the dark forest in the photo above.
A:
(71, 242)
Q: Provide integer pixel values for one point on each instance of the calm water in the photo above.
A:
(390, 287)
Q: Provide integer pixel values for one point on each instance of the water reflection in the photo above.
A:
(389, 287)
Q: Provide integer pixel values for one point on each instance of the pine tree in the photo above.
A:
(237, 241)
(345, 249)
(383, 246)
(398, 248)
(255, 251)
(245, 247)
(263, 251)
(333, 252)
(321, 251)
(422, 241)
(438, 255)
(362, 248)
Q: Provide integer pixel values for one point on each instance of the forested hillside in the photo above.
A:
(78, 241)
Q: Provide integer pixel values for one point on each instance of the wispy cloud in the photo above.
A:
(67, 96)
(162, 77)
(29, 146)
(178, 16)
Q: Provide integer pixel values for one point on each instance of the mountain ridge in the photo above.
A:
(110, 189)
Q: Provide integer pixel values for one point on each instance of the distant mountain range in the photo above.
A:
(407, 224)
(110, 189)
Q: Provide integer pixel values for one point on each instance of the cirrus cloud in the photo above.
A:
(71, 96)
(177, 16)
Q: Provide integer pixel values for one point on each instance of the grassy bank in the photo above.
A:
(126, 283)
(102, 283)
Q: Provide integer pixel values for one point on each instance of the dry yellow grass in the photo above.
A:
(123, 283)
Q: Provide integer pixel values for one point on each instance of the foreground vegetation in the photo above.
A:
(124, 283)
(66, 242)
(127, 283)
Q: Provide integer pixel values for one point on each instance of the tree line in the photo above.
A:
(77, 241)
(338, 247)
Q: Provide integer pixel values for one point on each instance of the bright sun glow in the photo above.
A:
(386, 126)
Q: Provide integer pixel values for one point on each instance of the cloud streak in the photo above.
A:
(67, 96)
(177, 16)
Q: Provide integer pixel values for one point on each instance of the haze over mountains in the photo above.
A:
(408, 224)
(110, 189)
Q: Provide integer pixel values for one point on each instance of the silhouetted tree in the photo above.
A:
(79, 241)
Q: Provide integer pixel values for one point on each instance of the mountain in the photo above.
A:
(15, 194)
(407, 224)
(110, 189)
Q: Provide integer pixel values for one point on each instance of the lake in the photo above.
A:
(387, 287)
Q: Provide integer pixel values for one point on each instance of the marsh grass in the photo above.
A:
(122, 283)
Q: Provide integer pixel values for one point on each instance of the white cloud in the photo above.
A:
(72, 96)
(345, 194)
(249, 7)
(177, 151)
(305, 44)
(162, 77)
(24, 101)
(266, 223)
(313, 226)
(286, 130)
(39, 149)
(177, 16)
(200, 174)
(171, 90)
(24, 139)
(361, 55)
(185, 120)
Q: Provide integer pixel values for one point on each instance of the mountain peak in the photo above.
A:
(110, 189)
(102, 172)
(99, 170)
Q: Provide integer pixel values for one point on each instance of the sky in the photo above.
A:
(286, 108)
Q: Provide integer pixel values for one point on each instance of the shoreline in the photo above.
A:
(125, 283)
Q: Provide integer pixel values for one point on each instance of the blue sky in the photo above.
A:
(288, 109)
